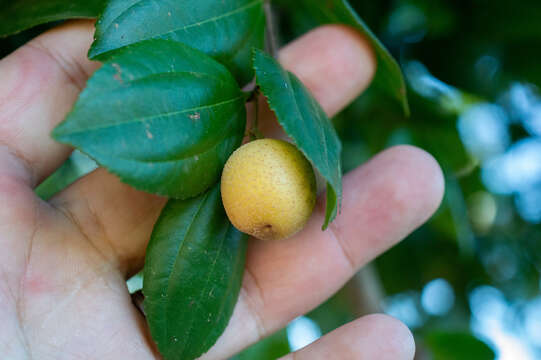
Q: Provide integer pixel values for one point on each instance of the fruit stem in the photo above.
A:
(255, 134)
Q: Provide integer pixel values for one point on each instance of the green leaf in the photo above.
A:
(77, 166)
(193, 274)
(162, 116)
(272, 347)
(19, 15)
(225, 30)
(305, 122)
(388, 77)
(457, 346)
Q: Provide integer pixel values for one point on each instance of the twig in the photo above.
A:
(138, 299)
(370, 290)
(271, 40)
(254, 132)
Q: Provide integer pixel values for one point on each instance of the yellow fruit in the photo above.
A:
(268, 189)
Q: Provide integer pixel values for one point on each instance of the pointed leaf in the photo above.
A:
(305, 122)
(193, 274)
(225, 30)
(162, 116)
(389, 78)
(19, 15)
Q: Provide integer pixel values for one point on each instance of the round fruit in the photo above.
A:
(268, 189)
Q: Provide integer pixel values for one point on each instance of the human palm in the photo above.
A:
(63, 263)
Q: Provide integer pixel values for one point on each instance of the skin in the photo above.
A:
(63, 263)
(268, 189)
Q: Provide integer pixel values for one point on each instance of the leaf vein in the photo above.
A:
(205, 286)
(179, 251)
(214, 18)
(189, 26)
(155, 116)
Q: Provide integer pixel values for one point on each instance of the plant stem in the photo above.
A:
(254, 132)
(272, 42)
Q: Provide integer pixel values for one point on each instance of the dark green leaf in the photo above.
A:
(162, 116)
(193, 274)
(18, 15)
(225, 30)
(305, 122)
(388, 75)
(457, 346)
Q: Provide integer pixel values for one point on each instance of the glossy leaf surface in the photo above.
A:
(162, 116)
(193, 274)
(225, 30)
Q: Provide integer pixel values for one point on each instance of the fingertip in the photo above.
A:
(399, 344)
(405, 177)
(375, 336)
(334, 61)
(426, 175)
(386, 199)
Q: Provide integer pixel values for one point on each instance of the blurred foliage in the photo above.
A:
(271, 348)
(464, 61)
(457, 346)
(473, 84)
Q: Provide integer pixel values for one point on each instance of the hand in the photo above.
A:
(63, 263)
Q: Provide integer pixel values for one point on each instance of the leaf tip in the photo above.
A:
(97, 51)
(59, 133)
(92, 52)
(325, 225)
(329, 218)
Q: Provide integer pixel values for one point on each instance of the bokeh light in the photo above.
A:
(302, 332)
(438, 297)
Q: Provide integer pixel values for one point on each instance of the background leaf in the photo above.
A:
(305, 122)
(193, 274)
(225, 30)
(388, 76)
(270, 348)
(457, 346)
(161, 115)
(75, 167)
(18, 15)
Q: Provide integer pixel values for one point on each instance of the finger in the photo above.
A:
(384, 200)
(334, 62)
(40, 83)
(104, 196)
(373, 337)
